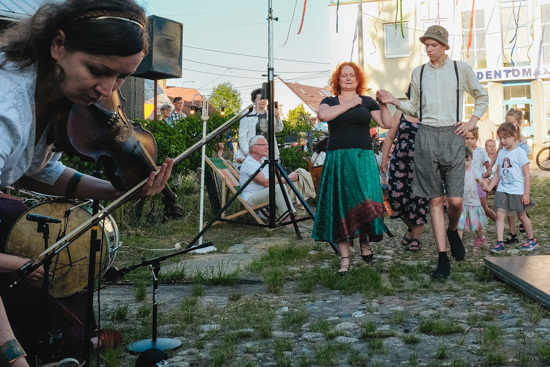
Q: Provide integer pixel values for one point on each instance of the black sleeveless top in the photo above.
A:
(351, 130)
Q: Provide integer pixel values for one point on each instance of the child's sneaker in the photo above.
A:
(480, 242)
(530, 245)
(498, 248)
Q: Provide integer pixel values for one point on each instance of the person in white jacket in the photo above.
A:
(256, 124)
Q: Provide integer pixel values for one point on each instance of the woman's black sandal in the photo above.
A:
(365, 247)
(346, 267)
(511, 238)
(415, 245)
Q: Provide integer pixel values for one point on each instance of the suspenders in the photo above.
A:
(457, 92)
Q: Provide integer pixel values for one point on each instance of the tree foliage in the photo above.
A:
(232, 98)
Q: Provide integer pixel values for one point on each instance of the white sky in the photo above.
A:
(227, 40)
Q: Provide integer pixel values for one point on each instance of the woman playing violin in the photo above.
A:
(77, 51)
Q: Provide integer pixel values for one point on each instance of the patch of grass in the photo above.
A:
(326, 355)
(274, 279)
(218, 277)
(221, 354)
(176, 276)
(320, 326)
(398, 271)
(357, 360)
(410, 339)
(439, 327)
(250, 313)
(278, 256)
(235, 297)
(144, 311)
(140, 291)
(293, 320)
(306, 283)
(458, 363)
(483, 274)
(120, 313)
(494, 357)
(543, 350)
(492, 336)
(198, 290)
(398, 317)
(282, 345)
(442, 351)
(376, 346)
(112, 357)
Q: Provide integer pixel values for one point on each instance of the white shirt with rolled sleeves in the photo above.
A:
(18, 154)
(439, 93)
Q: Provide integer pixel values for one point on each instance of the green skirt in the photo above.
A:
(349, 202)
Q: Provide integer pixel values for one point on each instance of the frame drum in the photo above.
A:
(69, 268)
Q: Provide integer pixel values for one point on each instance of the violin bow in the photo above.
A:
(30, 266)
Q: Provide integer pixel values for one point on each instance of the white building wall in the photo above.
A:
(393, 74)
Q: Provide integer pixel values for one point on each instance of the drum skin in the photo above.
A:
(69, 268)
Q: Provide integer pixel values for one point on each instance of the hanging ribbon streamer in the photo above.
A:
(376, 29)
(290, 26)
(515, 39)
(303, 15)
(471, 29)
(537, 72)
(532, 32)
(337, 6)
(356, 32)
(399, 9)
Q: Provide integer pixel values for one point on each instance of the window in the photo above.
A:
(395, 44)
(515, 33)
(478, 49)
(546, 36)
(469, 105)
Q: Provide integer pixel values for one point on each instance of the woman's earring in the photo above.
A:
(55, 82)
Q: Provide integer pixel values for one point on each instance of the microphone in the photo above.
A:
(41, 218)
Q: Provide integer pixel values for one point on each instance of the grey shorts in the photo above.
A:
(510, 204)
(438, 162)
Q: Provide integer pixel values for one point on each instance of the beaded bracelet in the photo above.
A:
(10, 351)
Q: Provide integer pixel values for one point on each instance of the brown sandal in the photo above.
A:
(343, 268)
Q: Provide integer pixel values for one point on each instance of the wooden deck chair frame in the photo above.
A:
(230, 181)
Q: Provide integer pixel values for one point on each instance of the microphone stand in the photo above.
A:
(49, 347)
(95, 246)
(154, 265)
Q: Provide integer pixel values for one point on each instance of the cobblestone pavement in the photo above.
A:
(497, 324)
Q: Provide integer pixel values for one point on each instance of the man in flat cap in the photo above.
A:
(437, 90)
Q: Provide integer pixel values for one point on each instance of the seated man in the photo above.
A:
(257, 191)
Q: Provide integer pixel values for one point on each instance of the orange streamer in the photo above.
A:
(471, 29)
(303, 15)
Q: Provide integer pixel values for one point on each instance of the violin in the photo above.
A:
(102, 133)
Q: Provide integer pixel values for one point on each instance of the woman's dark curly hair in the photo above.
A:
(360, 76)
(321, 145)
(91, 26)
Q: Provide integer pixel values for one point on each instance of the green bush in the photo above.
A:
(292, 158)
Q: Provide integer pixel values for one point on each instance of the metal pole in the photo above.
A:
(204, 118)
(271, 117)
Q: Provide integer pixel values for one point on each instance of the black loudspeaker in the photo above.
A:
(164, 60)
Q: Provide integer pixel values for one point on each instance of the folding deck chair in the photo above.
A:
(230, 180)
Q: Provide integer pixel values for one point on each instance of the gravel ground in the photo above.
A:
(496, 324)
